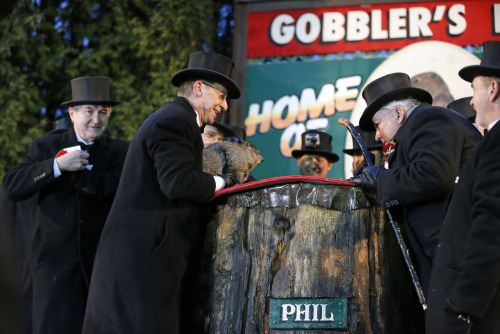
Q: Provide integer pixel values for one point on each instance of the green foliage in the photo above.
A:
(139, 44)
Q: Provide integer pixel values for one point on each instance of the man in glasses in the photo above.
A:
(144, 279)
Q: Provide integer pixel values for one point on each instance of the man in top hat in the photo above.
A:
(373, 146)
(74, 173)
(425, 145)
(216, 131)
(464, 295)
(148, 250)
(315, 158)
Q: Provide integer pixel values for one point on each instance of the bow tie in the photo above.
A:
(85, 147)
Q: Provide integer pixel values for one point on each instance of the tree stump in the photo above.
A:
(303, 257)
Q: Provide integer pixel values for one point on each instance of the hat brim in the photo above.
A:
(233, 92)
(330, 156)
(365, 122)
(95, 103)
(468, 73)
(227, 131)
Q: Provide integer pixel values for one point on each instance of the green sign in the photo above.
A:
(285, 99)
(324, 313)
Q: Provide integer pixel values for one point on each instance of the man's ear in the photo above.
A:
(71, 113)
(494, 90)
(197, 88)
(400, 114)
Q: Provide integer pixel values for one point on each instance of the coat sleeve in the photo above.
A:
(173, 145)
(479, 276)
(31, 175)
(433, 147)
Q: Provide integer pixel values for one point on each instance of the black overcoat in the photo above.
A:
(431, 145)
(68, 219)
(467, 264)
(143, 252)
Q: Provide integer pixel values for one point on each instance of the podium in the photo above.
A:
(302, 254)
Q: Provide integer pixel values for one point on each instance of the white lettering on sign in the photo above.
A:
(308, 28)
(289, 112)
(302, 312)
(281, 29)
(358, 25)
(496, 19)
(458, 24)
(333, 27)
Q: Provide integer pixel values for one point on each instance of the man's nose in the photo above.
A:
(95, 117)
(224, 104)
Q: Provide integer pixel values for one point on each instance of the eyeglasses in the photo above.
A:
(222, 97)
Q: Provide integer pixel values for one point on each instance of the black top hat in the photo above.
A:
(209, 66)
(90, 90)
(219, 122)
(316, 142)
(489, 66)
(463, 107)
(368, 139)
(391, 87)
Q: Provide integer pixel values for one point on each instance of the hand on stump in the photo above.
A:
(367, 179)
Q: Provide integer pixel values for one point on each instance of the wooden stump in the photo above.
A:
(300, 244)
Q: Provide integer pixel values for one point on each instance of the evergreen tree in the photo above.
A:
(139, 44)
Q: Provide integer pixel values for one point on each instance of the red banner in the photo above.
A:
(371, 27)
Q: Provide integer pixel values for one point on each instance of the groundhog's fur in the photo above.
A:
(230, 159)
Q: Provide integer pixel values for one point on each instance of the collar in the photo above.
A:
(197, 118)
(80, 139)
(492, 124)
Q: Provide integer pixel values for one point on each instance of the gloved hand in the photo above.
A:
(368, 178)
(359, 170)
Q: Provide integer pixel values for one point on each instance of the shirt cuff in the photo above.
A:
(57, 171)
(220, 183)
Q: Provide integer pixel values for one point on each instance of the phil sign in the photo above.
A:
(370, 27)
(321, 313)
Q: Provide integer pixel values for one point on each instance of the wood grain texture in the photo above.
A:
(281, 243)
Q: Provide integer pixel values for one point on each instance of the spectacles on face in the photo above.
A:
(222, 95)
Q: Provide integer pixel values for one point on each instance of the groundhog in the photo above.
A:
(232, 160)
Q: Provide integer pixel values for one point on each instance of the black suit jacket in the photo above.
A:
(430, 147)
(154, 222)
(66, 225)
(467, 265)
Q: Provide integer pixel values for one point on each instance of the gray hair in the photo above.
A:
(407, 104)
(185, 88)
